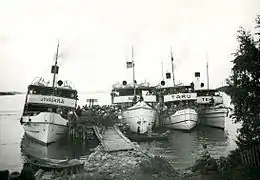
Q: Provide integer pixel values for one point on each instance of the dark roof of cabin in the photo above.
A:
(48, 87)
(206, 90)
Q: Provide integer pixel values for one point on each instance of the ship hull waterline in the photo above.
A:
(185, 120)
(139, 117)
(213, 117)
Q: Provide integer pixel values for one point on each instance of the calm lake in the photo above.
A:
(183, 148)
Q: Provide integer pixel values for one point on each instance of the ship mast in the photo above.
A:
(55, 67)
(207, 67)
(173, 78)
(162, 71)
(133, 63)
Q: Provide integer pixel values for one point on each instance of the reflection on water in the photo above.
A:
(184, 148)
(14, 145)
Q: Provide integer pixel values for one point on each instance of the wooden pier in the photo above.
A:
(112, 139)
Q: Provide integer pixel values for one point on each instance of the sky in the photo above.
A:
(96, 38)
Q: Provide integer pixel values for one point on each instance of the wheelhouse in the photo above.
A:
(48, 99)
(178, 97)
(207, 92)
(124, 96)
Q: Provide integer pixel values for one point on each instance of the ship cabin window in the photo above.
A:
(35, 109)
(114, 93)
(130, 92)
(178, 105)
(43, 90)
(177, 89)
(207, 93)
(125, 92)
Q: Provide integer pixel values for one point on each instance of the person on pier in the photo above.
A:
(79, 111)
(149, 130)
(138, 130)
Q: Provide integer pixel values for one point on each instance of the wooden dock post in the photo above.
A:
(84, 134)
(80, 132)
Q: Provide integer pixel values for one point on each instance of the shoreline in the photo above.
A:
(9, 93)
(129, 165)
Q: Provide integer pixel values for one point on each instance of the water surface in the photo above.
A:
(182, 148)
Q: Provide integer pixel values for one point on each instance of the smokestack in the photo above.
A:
(197, 84)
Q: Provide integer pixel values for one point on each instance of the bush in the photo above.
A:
(158, 165)
(205, 164)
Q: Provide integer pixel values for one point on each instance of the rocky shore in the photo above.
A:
(113, 165)
(134, 165)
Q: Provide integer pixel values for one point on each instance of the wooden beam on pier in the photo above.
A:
(112, 139)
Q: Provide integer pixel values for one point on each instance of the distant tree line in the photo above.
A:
(9, 93)
(6, 93)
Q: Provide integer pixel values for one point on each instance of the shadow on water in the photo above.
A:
(183, 148)
(60, 150)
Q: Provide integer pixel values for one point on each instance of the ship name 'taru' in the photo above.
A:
(51, 99)
(181, 96)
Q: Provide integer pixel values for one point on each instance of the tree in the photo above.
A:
(245, 87)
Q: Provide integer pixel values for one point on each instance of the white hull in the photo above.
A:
(213, 117)
(185, 119)
(45, 127)
(34, 149)
(139, 115)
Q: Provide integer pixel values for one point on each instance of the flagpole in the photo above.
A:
(173, 78)
(133, 63)
(162, 71)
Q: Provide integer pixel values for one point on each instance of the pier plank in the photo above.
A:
(112, 139)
